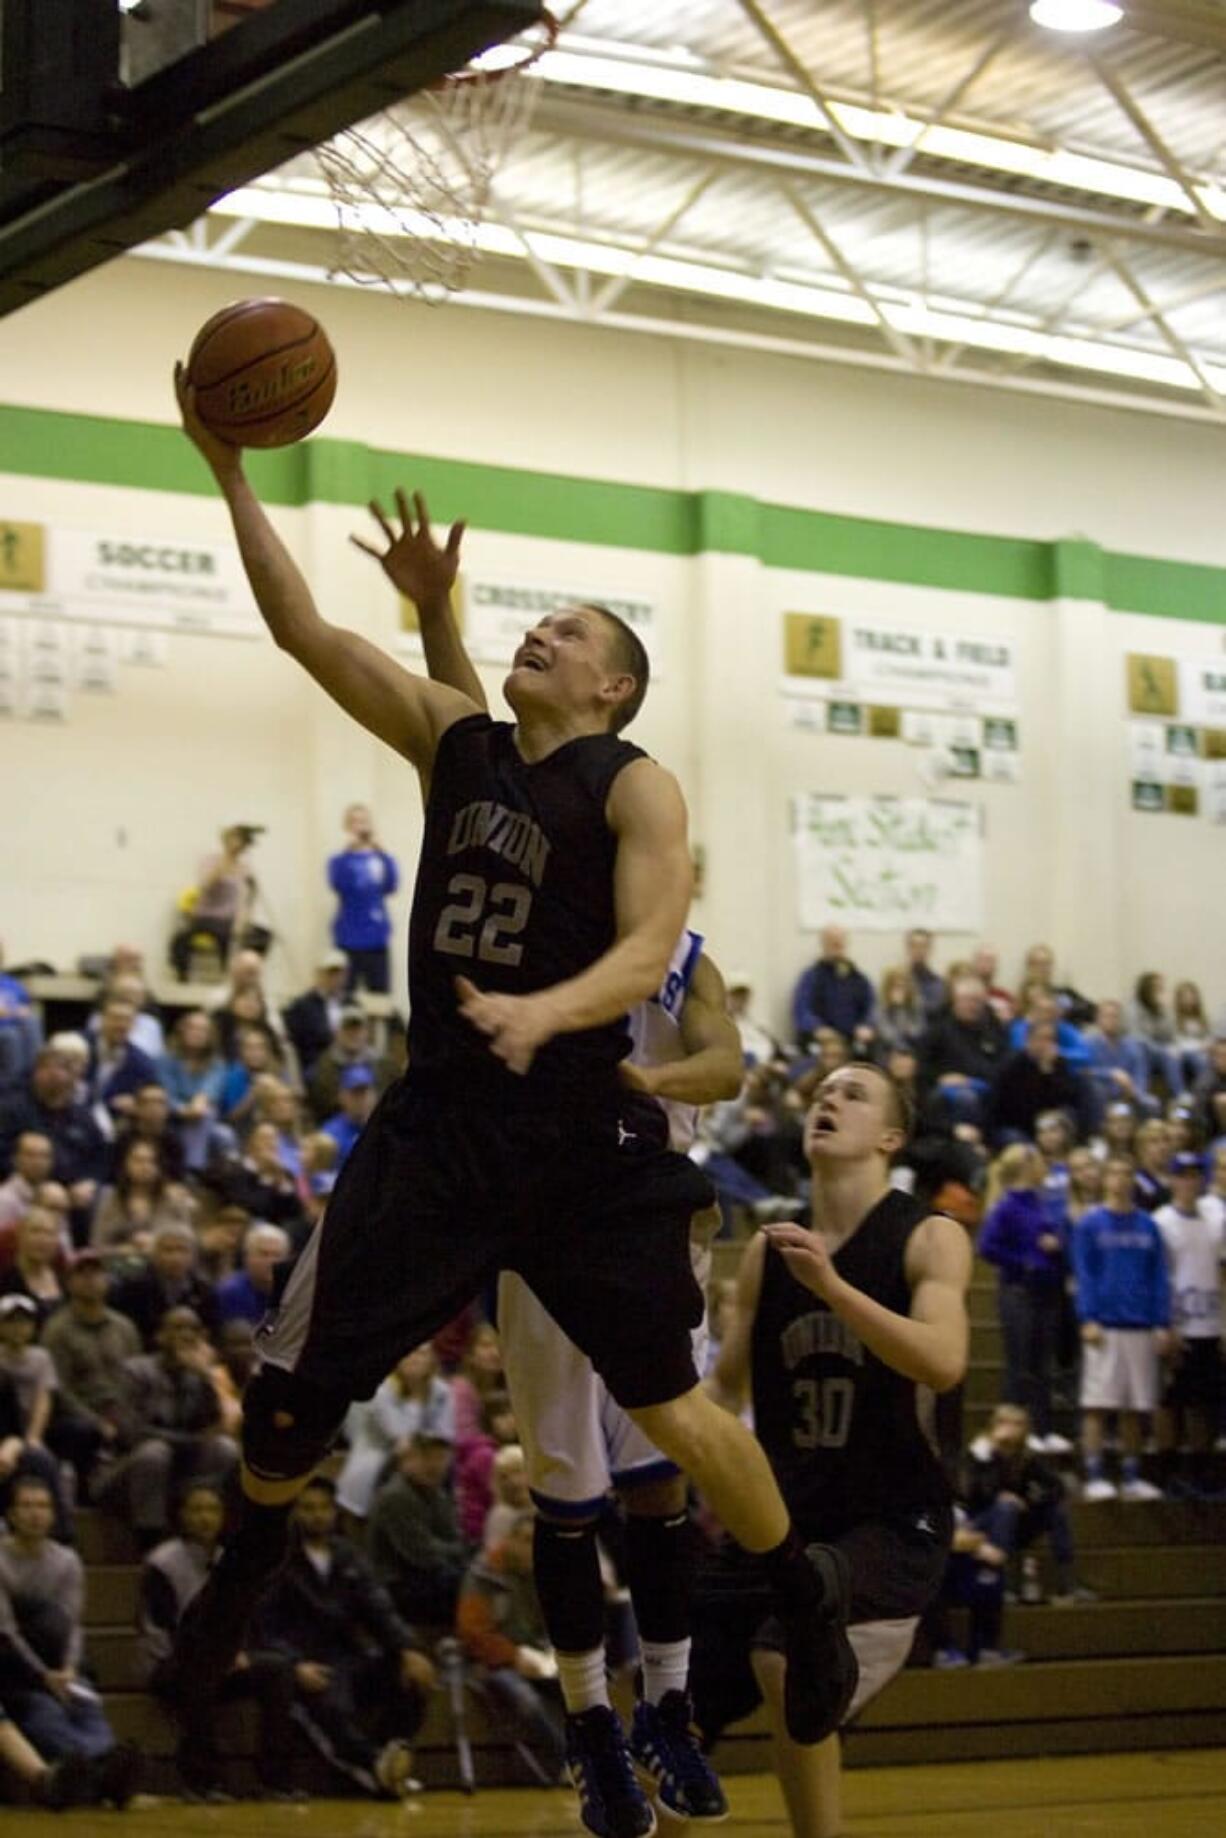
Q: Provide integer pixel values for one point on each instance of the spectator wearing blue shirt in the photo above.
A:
(247, 1295)
(357, 1100)
(20, 1035)
(363, 877)
(1124, 1307)
(1019, 1238)
(1041, 1006)
(833, 993)
(117, 1069)
(1118, 1062)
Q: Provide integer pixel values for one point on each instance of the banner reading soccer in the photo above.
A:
(882, 864)
(860, 660)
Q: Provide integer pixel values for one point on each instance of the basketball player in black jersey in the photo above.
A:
(554, 882)
(842, 1333)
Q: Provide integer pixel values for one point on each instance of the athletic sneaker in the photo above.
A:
(611, 1802)
(1055, 1444)
(1100, 1489)
(664, 1745)
(949, 1659)
(1078, 1596)
(394, 1770)
(993, 1659)
(1138, 1489)
(822, 1669)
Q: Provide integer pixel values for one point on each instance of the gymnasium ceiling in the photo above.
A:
(939, 187)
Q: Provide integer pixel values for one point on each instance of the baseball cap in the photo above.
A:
(353, 1077)
(18, 1305)
(351, 1012)
(333, 960)
(1183, 1163)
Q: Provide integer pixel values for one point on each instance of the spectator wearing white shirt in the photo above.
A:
(1194, 1241)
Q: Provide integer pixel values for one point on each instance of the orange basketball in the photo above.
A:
(264, 373)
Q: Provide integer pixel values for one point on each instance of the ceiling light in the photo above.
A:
(1075, 15)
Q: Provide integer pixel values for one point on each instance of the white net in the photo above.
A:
(411, 185)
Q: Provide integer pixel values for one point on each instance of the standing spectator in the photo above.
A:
(412, 1398)
(1085, 1186)
(1119, 1063)
(325, 1612)
(152, 1121)
(169, 1420)
(42, 1594)
(1123, 1304)
(247, 1295)
(929, 986)
(1054, 1138)
(19, 1031)
(33, 1157)
(962, 1053)
(353, 1046)
(39, 1258)
(50, 1107)
(834, 993)
(1195, 1243)
(1153, 1024)
(1192, 1032)
(91, 1345)
(312, 1019)
(117, 1068)
(1015, 1498)
(415, 1543)
(357, 1101)
(169, 1280)
(363, 877)
(170, 1578)
(1216, 1196)
(193, 1073)
(900, 1017)
(1018, 1238)
(1151, 1150)
(503, 1632)
(758, 1044)
(140, 1202)
(1038, 1078)
(1119, 1129)
(219, 906)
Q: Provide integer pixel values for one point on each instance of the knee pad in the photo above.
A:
(288, 1425)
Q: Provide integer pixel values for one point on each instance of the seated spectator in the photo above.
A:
(1209, 1093)
(360, 1678)
(220, 901)
(1032, 1081)
(194, 1075)
(758, 1043)
(414, 1540)
(1151, 1021)
(929, 986)
(502, 1630)
(117, 1069)
(1182, 1128)
(90, 1345)
(169, 1423)
(219, 1235)
(512, 1496)
(1018, 1238)
(1151, 1151)
(1040, 967)
(19, 1031)
(833, 993)
(37, 1262)
(171, 1576)
(985, 964)
(33, 1157)
(255, 1061)
(356, 1097)
(1041, 1005)
(975, 1581)
(152, 1122)
(472, 1480)
(130, 986)
(1192, 1033)
(1014, 1498)
(480, 1373)
(353, 1046)
(1118, 1062)
(74, 1780)
(962, 1053)
(1123, 1305)
(24, 1409)
(246, 1295)
(42, 1598)
(259, 1182)
(245, 1003)
(169, 1280)
(319, 1154)
(900, 1017)
(141, 1201)
(50, 1108)
(277, 1104)
(1195, 1245)
(312, 1019)
(412, 1398)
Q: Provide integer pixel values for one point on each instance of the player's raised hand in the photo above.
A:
(413, 562)
(219, 455)
(806, 1256)
(515, 1026)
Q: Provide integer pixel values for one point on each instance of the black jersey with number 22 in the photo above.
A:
(514, 892)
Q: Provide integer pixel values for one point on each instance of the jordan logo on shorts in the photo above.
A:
(624, 1135)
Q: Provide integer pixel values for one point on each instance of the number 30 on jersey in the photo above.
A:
(825, 1412)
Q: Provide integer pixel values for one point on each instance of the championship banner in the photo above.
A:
(883, 864)
(494, 615)
(861, 660)
(166, 583)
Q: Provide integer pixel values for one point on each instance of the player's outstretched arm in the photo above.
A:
(729, 1383)
(713, 1067)
(406, 711)
(447, 661)
(931, 1343)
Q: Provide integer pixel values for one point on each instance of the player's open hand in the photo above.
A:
(515, 1026)
(413, 562)
(222, 458)
(806, 1256)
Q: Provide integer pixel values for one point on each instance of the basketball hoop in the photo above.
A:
(411, 185)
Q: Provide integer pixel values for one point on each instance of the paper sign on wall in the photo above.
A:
(882, 863)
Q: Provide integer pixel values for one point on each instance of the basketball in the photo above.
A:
(264, 373)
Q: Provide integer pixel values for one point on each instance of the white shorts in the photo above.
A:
(882, 1648)
(577, 1442)
(1121, 1372)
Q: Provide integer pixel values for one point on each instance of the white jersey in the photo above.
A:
(1194, 1250)
(655, 1034)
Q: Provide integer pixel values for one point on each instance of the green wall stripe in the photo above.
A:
(150, 456)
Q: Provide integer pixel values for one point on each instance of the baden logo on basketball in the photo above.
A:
(246, 394)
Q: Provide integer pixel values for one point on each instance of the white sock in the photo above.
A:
(666, 1667)
(583, 1680)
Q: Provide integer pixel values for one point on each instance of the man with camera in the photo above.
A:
(223, 898)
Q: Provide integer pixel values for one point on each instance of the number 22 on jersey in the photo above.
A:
(484, 922)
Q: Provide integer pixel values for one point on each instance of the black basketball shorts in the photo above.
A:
(1195, 1378)
(583, 1199)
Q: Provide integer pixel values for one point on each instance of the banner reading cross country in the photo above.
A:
(881, 864)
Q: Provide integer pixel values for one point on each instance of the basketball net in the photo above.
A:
(411, 185)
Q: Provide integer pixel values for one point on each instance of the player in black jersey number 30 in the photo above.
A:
(554, 883)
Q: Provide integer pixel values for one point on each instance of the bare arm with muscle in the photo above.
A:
(729, 1383)
(652, 883)
(713, 1066)
(406, 711)
(931, 1343)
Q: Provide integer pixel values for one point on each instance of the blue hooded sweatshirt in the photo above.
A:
(1121, 1270)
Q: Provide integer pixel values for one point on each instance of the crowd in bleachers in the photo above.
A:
(155, 1176)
